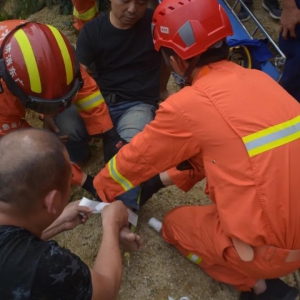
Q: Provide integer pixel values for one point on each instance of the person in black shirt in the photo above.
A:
(118, 48)
(35, 176)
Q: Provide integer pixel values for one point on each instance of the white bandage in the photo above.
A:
(98, 207)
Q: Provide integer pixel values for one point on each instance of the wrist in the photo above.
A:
(110, 226)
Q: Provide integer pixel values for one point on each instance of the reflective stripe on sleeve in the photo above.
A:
(117, 177)
(272, 137)
(90, 101)
(87, 15)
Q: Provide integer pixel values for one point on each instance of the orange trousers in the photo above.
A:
(197, 233)
(84, 11)
(77, 175)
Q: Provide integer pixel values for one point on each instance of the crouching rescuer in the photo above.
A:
(39, 71)
(242, 137)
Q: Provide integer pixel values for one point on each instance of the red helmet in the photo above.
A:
(38, 65)
(189, 27)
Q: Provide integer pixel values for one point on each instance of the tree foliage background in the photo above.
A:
(25, 8)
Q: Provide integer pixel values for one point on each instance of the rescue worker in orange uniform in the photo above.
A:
(227, 127)
(84, 11)
(39, 71)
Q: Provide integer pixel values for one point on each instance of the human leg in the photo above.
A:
(130, 118)
(291, 74)
(71, 124)
(193, 231)
(197, 233)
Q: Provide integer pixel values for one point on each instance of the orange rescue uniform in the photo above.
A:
(240, 130)
(89, 102)
(84, 11)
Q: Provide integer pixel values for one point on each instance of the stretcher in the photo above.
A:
(272, 67)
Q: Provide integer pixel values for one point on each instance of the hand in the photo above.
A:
(164, 94)
(49, 124)
(130, 241)
(112, 143)
(289, 19)
(115, 214)
(74, 215)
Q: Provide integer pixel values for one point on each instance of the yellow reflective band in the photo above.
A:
(90, 101)
(88, 15)
(30, 61)
(117, 177)
(194, 258)
(64, 52)
(272, 137)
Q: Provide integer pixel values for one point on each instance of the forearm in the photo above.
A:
(141, 157)
(108, 263)
(289, 4)
(55, 228)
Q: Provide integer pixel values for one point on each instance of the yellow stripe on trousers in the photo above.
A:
(194, 258)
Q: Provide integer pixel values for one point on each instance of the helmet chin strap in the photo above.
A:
(181, 80)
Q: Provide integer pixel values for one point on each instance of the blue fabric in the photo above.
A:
(130, 118)
(70, 123)
(259, 50)
(290, 79)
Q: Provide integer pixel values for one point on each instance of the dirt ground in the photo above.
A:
(158, 271)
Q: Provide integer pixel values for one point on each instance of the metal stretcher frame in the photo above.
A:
(241, 32)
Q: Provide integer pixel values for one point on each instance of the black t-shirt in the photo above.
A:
(126, 62)
(31, 268)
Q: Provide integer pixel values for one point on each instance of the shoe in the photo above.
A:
(276, 290)
(243, 14)
(273, 7)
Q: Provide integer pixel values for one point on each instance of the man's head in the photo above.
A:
(38, 65)
(35, 173)
(189, 29)
(125, 13)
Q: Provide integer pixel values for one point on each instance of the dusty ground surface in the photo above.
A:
(158, 271)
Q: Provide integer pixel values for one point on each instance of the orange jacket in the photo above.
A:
(89, 102)
(240, 128)
(84, 11)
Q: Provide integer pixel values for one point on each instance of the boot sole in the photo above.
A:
(272, 15)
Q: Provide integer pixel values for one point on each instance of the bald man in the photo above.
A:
(35, 178)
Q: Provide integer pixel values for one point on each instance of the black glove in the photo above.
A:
(112, 143)
(185, 165)
(89, 186)
(150, 187)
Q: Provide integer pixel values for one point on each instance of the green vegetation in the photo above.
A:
(24, 8)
